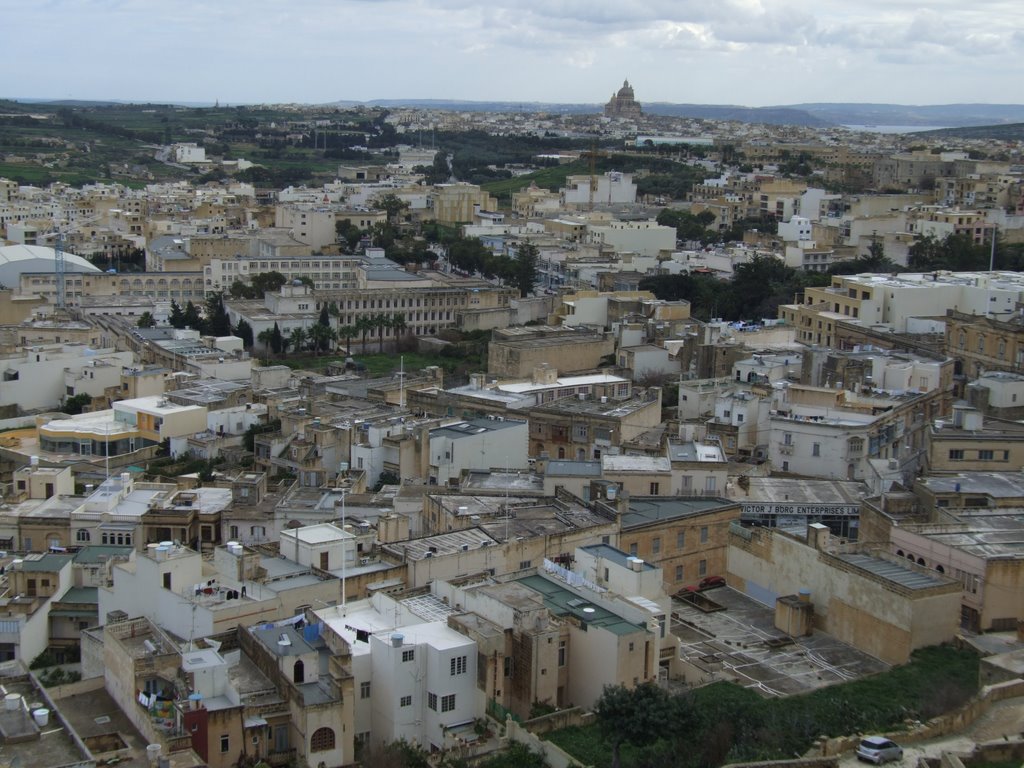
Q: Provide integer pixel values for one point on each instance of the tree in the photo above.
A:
(265, 282)
(321, 337)
(77, 403)
(244, 331)
(633, 715)
(146, 320)
(266, 339)
(346, 332)
(191, 317)
(217, 321)
(380, 323)
(364, 324)
(177, 316)
(391, 204)
(298, 338)
(524, 273)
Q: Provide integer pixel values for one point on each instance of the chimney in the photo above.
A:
(818, 536)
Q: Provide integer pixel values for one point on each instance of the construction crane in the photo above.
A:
(59, 262)
(592, 154)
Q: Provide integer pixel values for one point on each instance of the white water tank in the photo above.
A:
(12, 702)
(41, 716)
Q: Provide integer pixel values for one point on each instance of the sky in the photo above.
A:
(748, 52)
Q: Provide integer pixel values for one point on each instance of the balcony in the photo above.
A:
(280, 757)
(786, 450)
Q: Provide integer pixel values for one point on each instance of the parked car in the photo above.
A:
(709, 582)
(878, 750)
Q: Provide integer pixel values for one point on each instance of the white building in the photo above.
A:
(612, 188)
(477, 444)
(412, 678)
(41, 376)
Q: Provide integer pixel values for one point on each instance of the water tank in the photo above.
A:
(804, 595)
(397, 639)
(33, 461)
(610, 493)
(12, 702)
(41, 716)
(153, 753)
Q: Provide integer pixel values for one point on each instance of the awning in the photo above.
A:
(254, 722)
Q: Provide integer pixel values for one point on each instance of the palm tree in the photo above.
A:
(364, 324)
(399, 324)
(298, 338)
(266, 338)
(381, 322)
(346, 332)
(321, 337)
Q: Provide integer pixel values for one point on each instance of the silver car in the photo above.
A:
(878, 750)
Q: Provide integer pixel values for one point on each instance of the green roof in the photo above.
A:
(657, 509)
(81, 595)
(49, 563)
(564, 602)
(95, 553)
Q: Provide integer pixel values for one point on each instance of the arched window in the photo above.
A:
(322, 740)
(940, 569)
(920, 561)
(899, 552)
(82, 535)
(299, 672)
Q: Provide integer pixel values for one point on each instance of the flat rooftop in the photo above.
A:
(735, 645)
(644, 510)
(23, 740)
(617, 556)
(988, 534)
(796, 491)
(994, 484)
(564, 602)
(894, 572)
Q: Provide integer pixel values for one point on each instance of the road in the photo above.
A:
(1003, 719)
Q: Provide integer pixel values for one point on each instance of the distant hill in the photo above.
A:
(1008, 132)
(946, 115)
(769, 115)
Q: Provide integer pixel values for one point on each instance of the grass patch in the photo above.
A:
(382, 364)
(730, 723)
(547, 178)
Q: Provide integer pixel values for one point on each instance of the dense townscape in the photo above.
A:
(423, 435)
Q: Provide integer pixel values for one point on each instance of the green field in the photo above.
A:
(732, 724)
(547, 178)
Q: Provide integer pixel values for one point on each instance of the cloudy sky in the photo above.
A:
(751, 52)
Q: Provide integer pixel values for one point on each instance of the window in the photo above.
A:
(364, 689)
(524, 564)
(405, 701)
(986, 455)
(561, 653)
(432, 701)
(448, 702)
(703, 534)
(321, 740)
(679, 573)
(680, 539)
(656, 545)
(408, 655)
(816, 449)
(458, 665)
(225, 743)
(633, 549)
(956, 455)
(81, 535)
(654, 489)
(702, 568)
(787, 438)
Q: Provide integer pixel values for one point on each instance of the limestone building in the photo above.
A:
(623, 104)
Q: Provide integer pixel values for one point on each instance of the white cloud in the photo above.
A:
(736, 51)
